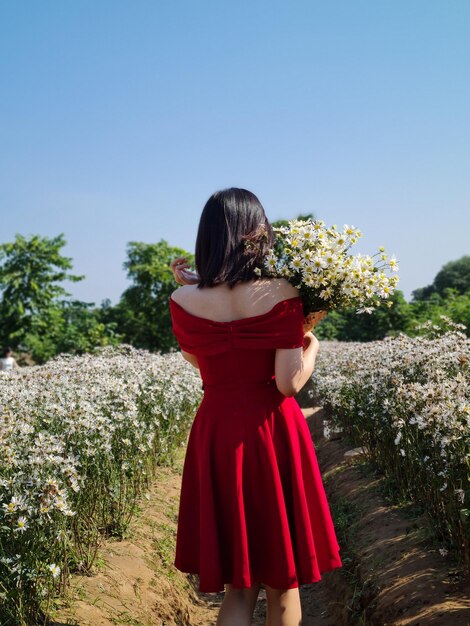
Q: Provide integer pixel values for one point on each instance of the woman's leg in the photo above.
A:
(238, 606)
(283, 607)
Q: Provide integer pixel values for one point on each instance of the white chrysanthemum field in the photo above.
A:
(407, 402)
(80, 439)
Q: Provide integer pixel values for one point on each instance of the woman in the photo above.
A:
(253, 510)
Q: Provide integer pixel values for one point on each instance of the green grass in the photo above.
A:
(165, 546)
(125, 618)
(360, 602)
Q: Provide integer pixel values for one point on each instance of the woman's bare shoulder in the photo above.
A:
(260, 296)
(244, 300)
(281, 288)
(181, 294)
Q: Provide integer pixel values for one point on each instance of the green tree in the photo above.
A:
(143, 313)
(30, 272)
(81, 329)
(331, 327)
(348, 325)
(458, 308)
(452, 304)
(423, 293)
(454, 275)
(448, 295)
(35, 315)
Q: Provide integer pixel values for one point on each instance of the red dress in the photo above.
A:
(253, 506)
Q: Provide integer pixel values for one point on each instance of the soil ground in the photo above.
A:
(391, 575)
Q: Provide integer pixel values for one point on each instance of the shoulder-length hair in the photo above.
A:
(234, 236)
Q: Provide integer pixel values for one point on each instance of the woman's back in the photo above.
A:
(242, 334)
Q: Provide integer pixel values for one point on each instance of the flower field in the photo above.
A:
(80, 438)
(407, 401)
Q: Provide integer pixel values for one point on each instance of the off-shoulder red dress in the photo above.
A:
(253, 506)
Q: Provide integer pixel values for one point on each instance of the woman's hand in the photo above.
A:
(309, 340)
(183, 275)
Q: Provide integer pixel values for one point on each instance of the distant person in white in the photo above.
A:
(7, 362)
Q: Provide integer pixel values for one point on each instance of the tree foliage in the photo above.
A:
(350, 326)
(454, 275)
(76, 328)
(29, 275)
(35, 315)
(143, 311)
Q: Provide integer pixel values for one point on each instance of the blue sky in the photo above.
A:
(118, 119)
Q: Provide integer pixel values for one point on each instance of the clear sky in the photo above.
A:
(119, 118)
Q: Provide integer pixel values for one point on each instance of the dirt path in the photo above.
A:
(393, 573)
(137, 584)
(396, 581)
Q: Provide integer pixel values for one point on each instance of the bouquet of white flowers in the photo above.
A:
(316, 260)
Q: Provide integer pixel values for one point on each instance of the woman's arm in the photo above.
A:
(294, 366)
(190, 358)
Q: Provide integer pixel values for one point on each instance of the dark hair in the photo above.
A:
(233, 237)
(6, 350)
